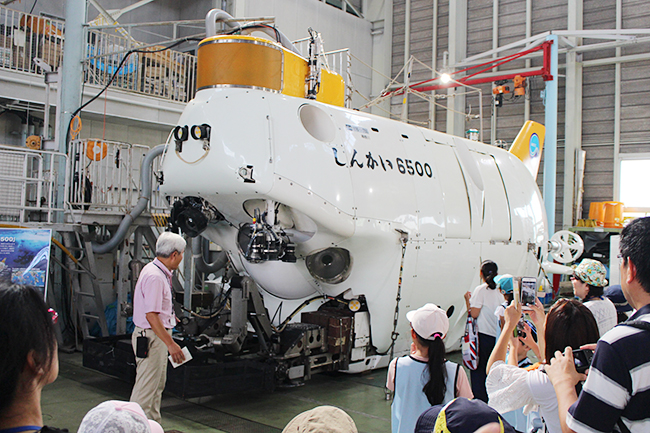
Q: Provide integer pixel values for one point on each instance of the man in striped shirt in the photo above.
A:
(616, 394)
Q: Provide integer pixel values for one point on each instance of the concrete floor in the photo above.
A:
(78, 389)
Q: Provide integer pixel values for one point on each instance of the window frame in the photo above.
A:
(624, 157)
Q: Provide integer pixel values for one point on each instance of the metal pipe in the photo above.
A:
(199, 260)
(145, 195)
(617, 60)
(220, 16)
(187, 23)
(407, 58)
(273, 32)
(617, 109)
(215, 16)
(573, 117)
(550, 120)
(529, 31)
(495, 45)
(434, 65)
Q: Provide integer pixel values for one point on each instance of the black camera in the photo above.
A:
(582, 359)
(521, 330)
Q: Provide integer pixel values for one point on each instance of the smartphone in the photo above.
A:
(582, 359)
(528, 291)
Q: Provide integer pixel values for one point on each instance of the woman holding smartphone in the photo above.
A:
(568, 323)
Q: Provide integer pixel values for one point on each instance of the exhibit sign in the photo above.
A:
(25, 257)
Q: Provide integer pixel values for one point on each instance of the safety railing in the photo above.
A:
(32, 185)
(165, 74)
(157, 72)
(24, 37)
(106, 177)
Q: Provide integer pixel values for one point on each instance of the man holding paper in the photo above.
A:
(154, 318)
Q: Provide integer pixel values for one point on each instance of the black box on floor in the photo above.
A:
(111, 355)
(189, 381)
(198, 378)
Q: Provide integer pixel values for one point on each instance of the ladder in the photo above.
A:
(81, 292)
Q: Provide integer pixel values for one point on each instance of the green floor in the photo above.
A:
(78, 389)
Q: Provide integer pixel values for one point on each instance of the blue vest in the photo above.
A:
(409, 400)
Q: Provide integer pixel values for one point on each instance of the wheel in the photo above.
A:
(566, 246)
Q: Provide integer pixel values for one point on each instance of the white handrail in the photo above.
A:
(30, 181)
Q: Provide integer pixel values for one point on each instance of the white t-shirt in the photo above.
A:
(604, 312)
(487, 300)
(510, 387)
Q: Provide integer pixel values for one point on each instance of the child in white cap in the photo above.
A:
(115, 416)
(424, 378)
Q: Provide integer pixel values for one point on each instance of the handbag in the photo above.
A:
(469, 347)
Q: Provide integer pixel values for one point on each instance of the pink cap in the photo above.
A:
(429, 321)
(119, 417)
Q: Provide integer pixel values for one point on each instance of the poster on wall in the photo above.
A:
(25, 257)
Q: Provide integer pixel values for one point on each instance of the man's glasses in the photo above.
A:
(574, 278)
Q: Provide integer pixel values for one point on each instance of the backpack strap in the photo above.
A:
(639, 324)
(395, 377)
(456, 381)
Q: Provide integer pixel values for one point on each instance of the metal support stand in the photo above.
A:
(246, 304)
(123, 287)
(188, 274)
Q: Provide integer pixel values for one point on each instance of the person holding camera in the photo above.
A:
(154, 319)
(568, 323)
(588, 282)
(615, 395)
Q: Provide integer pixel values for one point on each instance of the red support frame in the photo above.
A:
(544, 72)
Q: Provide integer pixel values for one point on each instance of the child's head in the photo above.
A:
(505, 284)
(27, 342)
(429, 322)
(522, 350)
(489, 271)
(588, 279)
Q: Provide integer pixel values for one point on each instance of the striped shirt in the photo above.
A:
(617, 388)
